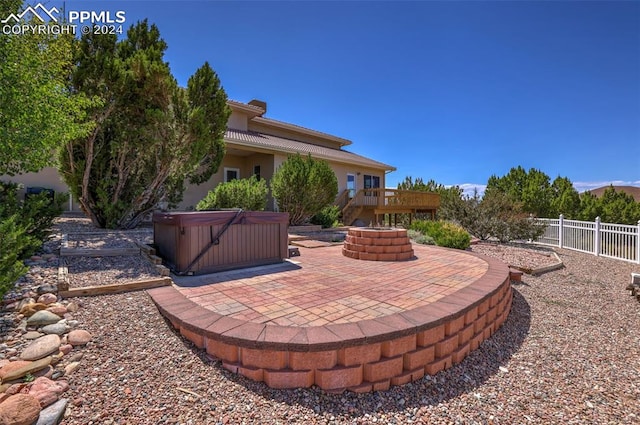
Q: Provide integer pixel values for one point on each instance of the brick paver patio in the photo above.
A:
(324, 287)
(342, 323)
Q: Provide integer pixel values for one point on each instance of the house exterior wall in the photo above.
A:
(47, 178)
(238, 156)
(342, 170)
(194, 193)
(238, 120)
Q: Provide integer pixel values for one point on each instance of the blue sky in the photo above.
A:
(450, 91)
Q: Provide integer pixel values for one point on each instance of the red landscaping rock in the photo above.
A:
(19, 409)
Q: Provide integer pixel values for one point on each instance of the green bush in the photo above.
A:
(24, 225)
(444, 233)
(327, 217)
(303, 187)
(420, 238)
(249, 194)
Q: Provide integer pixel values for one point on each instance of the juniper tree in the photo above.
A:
(150, 135)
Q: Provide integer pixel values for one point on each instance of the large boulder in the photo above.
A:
(19, 409)
(41, 347)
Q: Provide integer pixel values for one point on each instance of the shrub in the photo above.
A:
(420, 238)
(24, 225)
(327, 217)
(249, 194)
(495, 216)
(303, 187)
(444, 233)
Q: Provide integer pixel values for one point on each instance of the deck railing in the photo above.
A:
(619, 241)
(389, 198)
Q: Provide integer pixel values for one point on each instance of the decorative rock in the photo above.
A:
(70, 368)
(46, 288)
(56, 358)
(47, 372)
(29, 310)
(25, 301)
(79, 337)
(22, 368)
(19, 409)
(15, 388)
(73, 323)
(72, 307)
(47, 391)
(76, 357)
(60, 310)
(53, 414)
(66, 349)
(8, 372)
(42, 318)
(32, 335)
(47, 298)
(57, 374)
(56, 328)
(41, 347)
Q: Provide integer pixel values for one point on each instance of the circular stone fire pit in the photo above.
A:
(377, 244)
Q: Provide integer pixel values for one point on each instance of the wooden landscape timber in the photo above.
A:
(116, 288)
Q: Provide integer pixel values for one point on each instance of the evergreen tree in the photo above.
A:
(37, 111)
(565, 198)
(150, 135)
(532, 189)
(303, 187)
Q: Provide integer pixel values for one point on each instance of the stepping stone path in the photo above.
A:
(40, 346)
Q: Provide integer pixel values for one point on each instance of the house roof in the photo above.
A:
(288, 126)
(273, 143)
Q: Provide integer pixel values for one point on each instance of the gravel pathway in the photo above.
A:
(569, 353)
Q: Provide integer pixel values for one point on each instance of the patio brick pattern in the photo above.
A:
(341, 323)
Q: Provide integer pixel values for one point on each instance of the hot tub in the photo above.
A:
(211, 241)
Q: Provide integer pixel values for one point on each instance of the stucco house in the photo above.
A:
(258, 145)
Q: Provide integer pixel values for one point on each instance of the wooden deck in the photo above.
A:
(389, 201)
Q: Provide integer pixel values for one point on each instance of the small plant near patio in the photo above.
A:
(24, 225)
(303, 186)
(327, 217)
(249, 194)
(420, 238)
(444, 233)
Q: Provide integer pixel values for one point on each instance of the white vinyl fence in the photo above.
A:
(619, 241)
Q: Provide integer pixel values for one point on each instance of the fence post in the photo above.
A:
(597, 237)
(561, 231)
(638, 244)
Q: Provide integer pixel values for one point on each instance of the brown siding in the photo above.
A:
(254, 238)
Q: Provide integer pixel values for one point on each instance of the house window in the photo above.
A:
(371, 182)
(256, 171)
(231, 174)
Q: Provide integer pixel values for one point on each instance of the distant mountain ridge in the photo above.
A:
(629, 190)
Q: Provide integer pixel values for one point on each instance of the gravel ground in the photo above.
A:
(94, 271)
(569, 353)
(526, 256)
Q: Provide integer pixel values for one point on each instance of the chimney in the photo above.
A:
(260, 104)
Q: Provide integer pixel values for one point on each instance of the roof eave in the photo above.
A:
(378, 165)
(251, 110)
